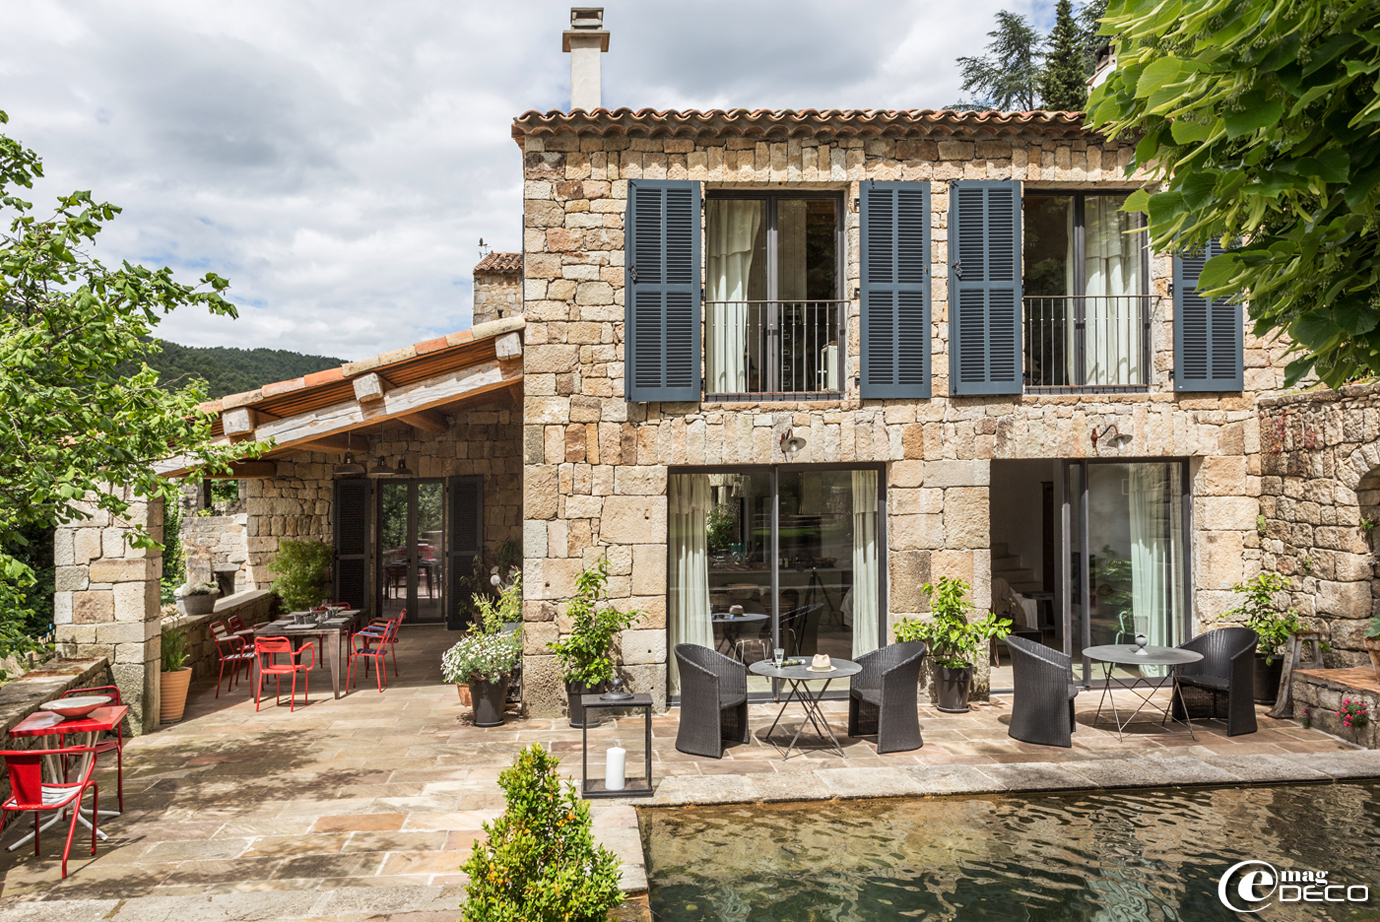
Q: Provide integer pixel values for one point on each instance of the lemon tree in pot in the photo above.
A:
(953, 639)
(175, 676)
(585, 654)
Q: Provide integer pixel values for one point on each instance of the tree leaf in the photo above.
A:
(1255, 112)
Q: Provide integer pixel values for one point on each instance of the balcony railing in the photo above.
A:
(773, 350)
(1087, 342)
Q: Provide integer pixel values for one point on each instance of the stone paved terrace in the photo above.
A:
(364, 808)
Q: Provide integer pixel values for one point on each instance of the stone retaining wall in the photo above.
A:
(1319, 487)
(1322, 692)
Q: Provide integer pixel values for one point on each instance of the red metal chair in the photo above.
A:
(116, 745)
(233, 651)
(236, 625)
(371, 646)
(29, 792)
(272, 647)
(385, 632)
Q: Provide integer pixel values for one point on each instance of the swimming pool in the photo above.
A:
(1104, 857)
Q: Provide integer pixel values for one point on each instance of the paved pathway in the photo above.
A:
(364, 808)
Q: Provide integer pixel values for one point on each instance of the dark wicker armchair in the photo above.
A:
(713, 701)
(1222, 683)
(882, 699)
(1042, 709)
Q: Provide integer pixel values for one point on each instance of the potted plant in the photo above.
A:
(952, 639)
(302, 573)
(197, 598)
(1271, 623)
(483, 662)
(584, 654)
(175, 676)
(1372, 642)
(503, 619)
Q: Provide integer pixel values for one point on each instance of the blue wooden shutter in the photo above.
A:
(985, 287)
(895, 289)
(465, 527)
(662, 296)
(1207, 331)
(351, 513)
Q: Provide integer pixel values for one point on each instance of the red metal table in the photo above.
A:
(87, 729)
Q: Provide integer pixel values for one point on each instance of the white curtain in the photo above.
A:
(687, 577)
(1111, 271)
(1156, 570)
(732, 232)
(866, 616)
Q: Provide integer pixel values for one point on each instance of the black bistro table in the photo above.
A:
(1128, 654)
(333, 635)
(799, 678)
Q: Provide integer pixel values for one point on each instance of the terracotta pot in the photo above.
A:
(1267, 678)
(489, 700)
(464, 691)
(172, 694)
(951, 688)
(573, 691)
(1373, 648)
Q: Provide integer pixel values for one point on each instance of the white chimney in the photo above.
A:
(585, 41)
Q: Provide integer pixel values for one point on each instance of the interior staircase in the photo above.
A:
(1011, 568)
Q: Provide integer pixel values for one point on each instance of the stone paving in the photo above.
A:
(364, 807)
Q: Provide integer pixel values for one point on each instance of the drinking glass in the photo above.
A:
(778, 656)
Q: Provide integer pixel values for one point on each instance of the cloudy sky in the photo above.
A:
(339, 161)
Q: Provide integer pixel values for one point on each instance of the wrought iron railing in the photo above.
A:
(773, 349)
(1087, 341)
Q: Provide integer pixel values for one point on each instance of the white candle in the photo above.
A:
(613, 768)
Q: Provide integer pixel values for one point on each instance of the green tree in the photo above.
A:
(70, 424)
(1064, 78)
(1262, 121)
(1008, 76)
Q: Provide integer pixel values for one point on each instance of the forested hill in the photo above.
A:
(228, 370)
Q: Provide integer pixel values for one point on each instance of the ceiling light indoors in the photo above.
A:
(402, 470)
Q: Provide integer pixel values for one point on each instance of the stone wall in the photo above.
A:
(222, 541)
(1320, 495)
(483, 439)
(497, 294)
(596, 466)
(106, 602)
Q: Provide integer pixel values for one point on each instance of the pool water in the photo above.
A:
(1152, 855)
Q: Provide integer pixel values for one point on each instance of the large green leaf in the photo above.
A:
(1253, 112)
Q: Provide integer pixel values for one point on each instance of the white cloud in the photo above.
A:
(339, 161)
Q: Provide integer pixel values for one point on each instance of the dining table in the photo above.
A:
(332, 635)
(87, 731)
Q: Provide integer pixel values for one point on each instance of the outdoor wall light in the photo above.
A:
(379, 469)
(791, 443)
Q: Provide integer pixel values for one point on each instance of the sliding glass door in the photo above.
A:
(775, 557)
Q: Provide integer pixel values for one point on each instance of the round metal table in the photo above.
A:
(733, 627)
(798, 677)
(1126, 654)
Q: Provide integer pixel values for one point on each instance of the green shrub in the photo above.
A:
(953, 641)
(583, 655)
(302, 571)
(174, 647)
(1260, 613)
(540, 863)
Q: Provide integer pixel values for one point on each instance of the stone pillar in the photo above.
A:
(107, 600)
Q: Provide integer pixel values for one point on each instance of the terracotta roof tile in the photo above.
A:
(323, 377)
(803, 123)
(431, 345)
(500, 262)
(283, 387)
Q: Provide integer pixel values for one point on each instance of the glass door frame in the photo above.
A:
(412, 534)
(1065, 585)
(774, 472)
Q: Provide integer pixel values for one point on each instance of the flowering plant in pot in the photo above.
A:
(584, 655)
(483, 661)
(953, 639)
(197, 598)
(1273, 624)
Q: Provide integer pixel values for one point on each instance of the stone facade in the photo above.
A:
(218, 543)
(106, 602)
(484, 439)
(1320, 498)
(497, 288)
(596, 466)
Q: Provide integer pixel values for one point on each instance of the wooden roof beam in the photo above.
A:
(427, 421)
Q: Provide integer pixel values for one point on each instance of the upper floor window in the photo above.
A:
(773, 319)
(1087, 312)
